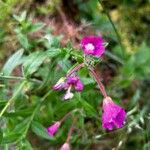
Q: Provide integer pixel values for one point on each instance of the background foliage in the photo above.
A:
(39, 43)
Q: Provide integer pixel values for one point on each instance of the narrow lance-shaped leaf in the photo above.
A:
(38, 129)
(12, 62)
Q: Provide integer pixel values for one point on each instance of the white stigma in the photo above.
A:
(89, 47)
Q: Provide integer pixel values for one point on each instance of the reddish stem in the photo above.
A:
(101, 86)
(75, 69)
(70, 130)
(64, 118)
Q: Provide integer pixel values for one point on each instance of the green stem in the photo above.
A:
(33, 114)
(12, 99)
(114, 27)
(12, 77)
(19, 78)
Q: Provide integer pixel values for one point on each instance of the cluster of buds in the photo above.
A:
(113, 115)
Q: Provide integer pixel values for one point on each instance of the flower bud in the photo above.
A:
(53, 128)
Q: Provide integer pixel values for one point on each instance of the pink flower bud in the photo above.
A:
(53, 128)
(113, 115)
(65, 146)
(60, 84)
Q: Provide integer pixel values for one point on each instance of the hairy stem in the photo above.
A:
(76, 68)
(101, 86)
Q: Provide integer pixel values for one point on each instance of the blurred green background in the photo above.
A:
(41, 28)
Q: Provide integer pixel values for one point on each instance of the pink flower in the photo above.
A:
(75, 81)
(67, 84)
(53, 128)
(93, 45)
(68, 95)
(79, 86)
(65, 146)
(60, 84)
(113, 115)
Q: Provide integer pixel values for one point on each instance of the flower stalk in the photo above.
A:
(76, 68)
(100, 84)
(71, 130)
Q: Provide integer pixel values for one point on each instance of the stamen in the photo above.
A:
(89, 48)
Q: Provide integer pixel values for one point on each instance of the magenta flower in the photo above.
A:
(76, 82)
(67, 84)
(113, 115)
(93, 45)
(60, 84)
(79, 86)
(65, 146)
(53, 128)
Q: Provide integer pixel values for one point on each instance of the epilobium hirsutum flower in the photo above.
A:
(68, 83)
(93, 45)
(113, 115)
(76, 82)
(53, 128)
(65, 146)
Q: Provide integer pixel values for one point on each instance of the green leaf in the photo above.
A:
(33, 61)
(24, 145)
(65, 65)
(52, 52)
(22, 17)
(36, 27)
(90, 111)
(10, 138)
(24, 113)
(12, 62)
(39, 130)
(64, 107)
(23, 40)
(2, 104)
(21, 126)
(87, 81)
